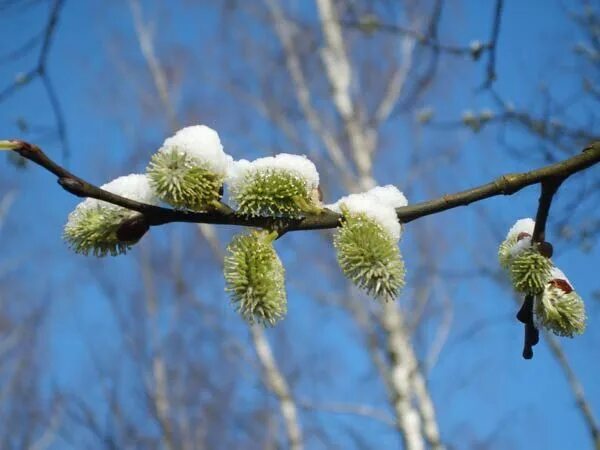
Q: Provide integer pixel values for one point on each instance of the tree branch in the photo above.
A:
(424, 39)
(507, 184)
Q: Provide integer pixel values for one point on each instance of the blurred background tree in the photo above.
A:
(144, 351)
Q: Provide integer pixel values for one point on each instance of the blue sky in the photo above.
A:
(480, 385)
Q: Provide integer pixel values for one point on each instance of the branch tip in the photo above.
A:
(10, 144)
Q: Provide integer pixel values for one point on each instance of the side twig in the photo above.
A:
(525, 314)
(40, 71)
(491, 66)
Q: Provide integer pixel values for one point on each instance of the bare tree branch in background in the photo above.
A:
(491, 74)
(41, 71)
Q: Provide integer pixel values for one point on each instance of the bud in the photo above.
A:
(425, 115)
(486, 115)
(279, 186)
(369, 256)
(255, 278)
(470, 120)
(559, 308)
(476, 48)
(369, 23)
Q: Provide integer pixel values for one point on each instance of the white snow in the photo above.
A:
(298, 165)
(486, 114)
(557, 274)
(468, 115)
(521, 245)
(521, 226)
(389, 195)
(475, 45)
(201, 143)
(134, 187)
(369, 204)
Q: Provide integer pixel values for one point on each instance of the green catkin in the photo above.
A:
(274, 193)
(255, 278)
(562, 312)
(504, 254)
(530, 271)
(369, 257)
(94, 230)
(182, 182)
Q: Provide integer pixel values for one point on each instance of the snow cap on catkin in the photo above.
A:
(133, 186)
(388, 195)
(298, 165)
(518, 239)
(521, 226)
(202, 144)
(371, 206)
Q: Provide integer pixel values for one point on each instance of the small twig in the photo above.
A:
(349, 408)
(493, 43)
(59, 116)
(545, 128)
(422, 38)
(525, 314)
(40, 71)
(23, 49)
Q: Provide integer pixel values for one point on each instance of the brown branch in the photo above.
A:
(504, 185)
(155, 215)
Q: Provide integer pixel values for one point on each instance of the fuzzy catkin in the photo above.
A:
(94, 231)
(530, 271)
(273, 192)
(560, 310)
(504, 252)
(183, 182)
(255, 278)
(369, 257)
